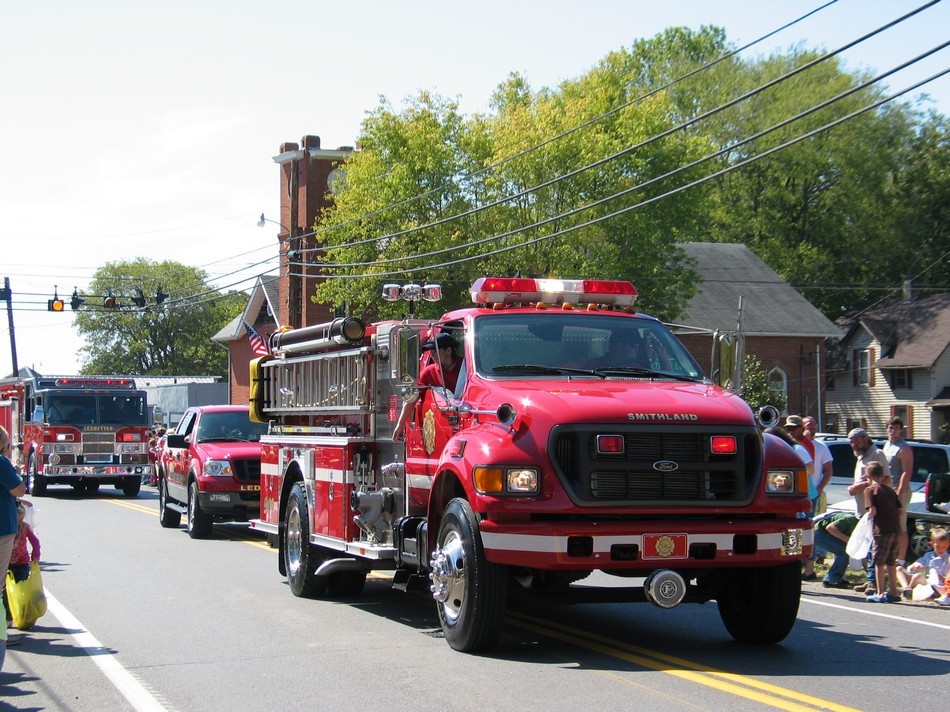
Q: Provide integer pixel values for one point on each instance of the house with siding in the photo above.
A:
(894, 359)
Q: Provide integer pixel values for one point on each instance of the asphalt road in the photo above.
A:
(145, 618)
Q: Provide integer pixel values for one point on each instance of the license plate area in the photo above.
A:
(665, 547)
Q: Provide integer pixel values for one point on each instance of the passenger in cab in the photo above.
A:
(442, 370)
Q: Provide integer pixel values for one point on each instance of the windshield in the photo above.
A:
(559, 344)
(229, 426)
(95, 410)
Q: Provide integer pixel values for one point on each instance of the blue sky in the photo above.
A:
(147, 130)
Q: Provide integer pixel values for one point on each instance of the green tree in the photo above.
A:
(755, 386)
(168, 339)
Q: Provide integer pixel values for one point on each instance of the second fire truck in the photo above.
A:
(82, 431)
(553, 458)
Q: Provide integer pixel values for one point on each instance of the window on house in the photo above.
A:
(864, 367)
(778, 383)
(900, 378)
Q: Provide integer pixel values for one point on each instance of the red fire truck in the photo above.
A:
(580, 437)
(83, 431)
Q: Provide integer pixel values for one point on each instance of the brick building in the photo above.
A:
(779, 326)
(307, 175)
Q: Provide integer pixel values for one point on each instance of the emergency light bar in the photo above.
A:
(515, 290)
(412, 292)
(94, 383)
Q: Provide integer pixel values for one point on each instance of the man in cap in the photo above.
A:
(442, 370)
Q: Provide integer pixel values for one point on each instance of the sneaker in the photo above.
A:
(891, 598)
(835, 584)
(879, 598)
(863, 588)
(809, 577)
(942, 601)
(908, 593)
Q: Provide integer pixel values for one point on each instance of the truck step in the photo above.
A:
(175, 507)
(410, 582)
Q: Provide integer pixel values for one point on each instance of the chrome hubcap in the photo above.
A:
(293, 545)
(448, 576)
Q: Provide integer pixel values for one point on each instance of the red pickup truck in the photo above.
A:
(210, 469)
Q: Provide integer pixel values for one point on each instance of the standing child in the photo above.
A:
(21, 559)
(884, 506)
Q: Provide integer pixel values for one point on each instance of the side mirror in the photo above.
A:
(176, 440)
(404, 356)
(38, 414)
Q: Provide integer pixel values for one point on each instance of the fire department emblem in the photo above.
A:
(428, 431)
(665, 546)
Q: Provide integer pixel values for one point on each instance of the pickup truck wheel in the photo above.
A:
(761, 605)
(169, 518)
(300, 557)
(471, 593)
(37, 481)
(199, 521)
(130, 486)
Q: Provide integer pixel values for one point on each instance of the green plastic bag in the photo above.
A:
(26, 598)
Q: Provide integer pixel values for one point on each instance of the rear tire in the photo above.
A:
(169, 518)
(199, 521)
(760, 605)
(300, 556)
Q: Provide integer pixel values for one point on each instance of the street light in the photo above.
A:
(294, 283)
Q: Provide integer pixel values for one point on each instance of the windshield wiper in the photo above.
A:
(546, 370)
(638, 371)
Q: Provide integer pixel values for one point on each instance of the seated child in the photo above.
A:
(930, 569)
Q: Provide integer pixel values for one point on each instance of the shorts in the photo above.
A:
(885, 550)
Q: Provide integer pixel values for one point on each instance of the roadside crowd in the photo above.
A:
(877, 530)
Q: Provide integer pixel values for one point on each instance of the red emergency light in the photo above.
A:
(723, 445)
(94, 382)
(519, 290)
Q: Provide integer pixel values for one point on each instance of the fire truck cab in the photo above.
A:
(83, 431)
(580, 436)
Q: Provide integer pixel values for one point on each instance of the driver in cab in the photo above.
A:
(445, 365)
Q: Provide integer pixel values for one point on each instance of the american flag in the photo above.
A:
(258, 346)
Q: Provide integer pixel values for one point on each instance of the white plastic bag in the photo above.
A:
(859, 543)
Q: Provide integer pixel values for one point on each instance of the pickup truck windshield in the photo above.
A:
(558, 344)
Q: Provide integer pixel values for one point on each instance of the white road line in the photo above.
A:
(852, 609)
(130, 688)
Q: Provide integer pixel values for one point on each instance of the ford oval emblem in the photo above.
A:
(665, 466)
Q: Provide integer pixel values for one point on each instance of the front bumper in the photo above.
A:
(647, 545)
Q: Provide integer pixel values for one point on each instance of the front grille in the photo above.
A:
(659, 465)
(98, 447)
(247, 470)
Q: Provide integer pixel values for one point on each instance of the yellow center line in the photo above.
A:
(733, 683)
(233, 535)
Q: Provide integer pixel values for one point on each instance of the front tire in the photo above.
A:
(131, 486)
(37, 481)
(169, 518)
(760, 605)
(471, 593)
(300, 556)
(199, 521)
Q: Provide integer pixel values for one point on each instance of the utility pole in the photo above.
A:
(7, 295)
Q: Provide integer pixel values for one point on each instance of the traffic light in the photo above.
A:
(55, 305)
(139, 299)
(110, 302)
(76, 301)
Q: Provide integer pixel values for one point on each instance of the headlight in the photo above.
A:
(506, 480)
(781, 482)
(217, 468)
(130, 448)
(71, 448)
